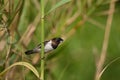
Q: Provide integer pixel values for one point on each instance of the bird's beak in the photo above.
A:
(61, 41)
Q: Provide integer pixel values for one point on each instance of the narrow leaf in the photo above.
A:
(28, 65)
(62, 2)
(103, 70)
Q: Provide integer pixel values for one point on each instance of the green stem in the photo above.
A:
(42, 40)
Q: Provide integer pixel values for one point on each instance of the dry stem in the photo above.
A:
(105, 42)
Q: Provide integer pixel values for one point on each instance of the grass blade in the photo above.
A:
(107, 66)
(28, 65)
(62, 2)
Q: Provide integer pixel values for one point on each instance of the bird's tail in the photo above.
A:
(29, 52)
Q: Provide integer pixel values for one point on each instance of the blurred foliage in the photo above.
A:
(80, 22)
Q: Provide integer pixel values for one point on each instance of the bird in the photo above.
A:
(48, 46)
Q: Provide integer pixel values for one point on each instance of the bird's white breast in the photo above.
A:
(48, 46)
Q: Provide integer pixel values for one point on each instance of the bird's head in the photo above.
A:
(57, 40)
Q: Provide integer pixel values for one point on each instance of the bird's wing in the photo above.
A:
(39, 45)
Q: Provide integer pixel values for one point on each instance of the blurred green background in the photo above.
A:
(81, 23)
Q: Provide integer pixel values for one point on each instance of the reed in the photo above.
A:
(42, 40)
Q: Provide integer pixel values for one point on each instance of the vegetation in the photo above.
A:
(91, 33)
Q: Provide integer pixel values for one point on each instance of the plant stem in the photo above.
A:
(102, 58)
(42, 40)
